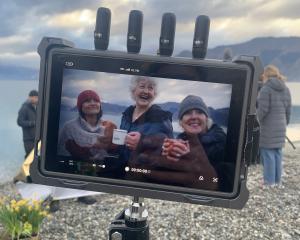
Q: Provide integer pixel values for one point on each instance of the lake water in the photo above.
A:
(116, 119)
(14, 93)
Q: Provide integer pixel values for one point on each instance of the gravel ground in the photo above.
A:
(270, 213)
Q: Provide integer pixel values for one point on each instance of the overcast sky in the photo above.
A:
(169, 90)
(24, 23)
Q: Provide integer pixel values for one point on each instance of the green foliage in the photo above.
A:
(22, 218)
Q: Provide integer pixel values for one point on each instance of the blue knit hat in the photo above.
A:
(192, 102)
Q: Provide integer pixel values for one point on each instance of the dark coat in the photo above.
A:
(274, 110)
(206, 158)
(214, 143)
(26, 120)
(155, 121)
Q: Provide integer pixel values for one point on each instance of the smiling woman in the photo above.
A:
(87, 138)
(143, 92)
(200, 146)
(144, 118)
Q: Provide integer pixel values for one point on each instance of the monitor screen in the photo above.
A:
(166, 127)
(97, 107)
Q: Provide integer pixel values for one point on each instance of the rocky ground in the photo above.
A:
(271, 213)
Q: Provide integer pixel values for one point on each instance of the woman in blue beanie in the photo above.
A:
(196, 158)
(205, 143)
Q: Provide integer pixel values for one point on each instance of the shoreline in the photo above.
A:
(293, 133)
(270, 213)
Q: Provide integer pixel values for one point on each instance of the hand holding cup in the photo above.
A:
(102, 142)
(132, 139)
(173, 149)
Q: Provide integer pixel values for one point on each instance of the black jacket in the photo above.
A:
(26, 120)
(214, 143)
(204, 149)
(155, 121)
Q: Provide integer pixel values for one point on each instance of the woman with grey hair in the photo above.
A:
(144, 119)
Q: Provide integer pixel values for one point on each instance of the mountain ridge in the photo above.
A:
(284, 52)
(219, 115)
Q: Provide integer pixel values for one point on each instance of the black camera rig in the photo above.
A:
(132, 222)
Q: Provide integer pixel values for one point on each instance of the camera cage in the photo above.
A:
(254, 66)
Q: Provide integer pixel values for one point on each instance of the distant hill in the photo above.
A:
(219, 116)
(11, 72)
(284, 52)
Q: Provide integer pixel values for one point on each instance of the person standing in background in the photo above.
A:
(273, 110)
(26, 120)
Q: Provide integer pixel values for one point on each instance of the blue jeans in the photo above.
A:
(272, 161)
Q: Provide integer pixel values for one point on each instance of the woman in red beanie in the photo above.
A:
(87, 138)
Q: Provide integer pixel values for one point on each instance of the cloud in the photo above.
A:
(114, 88)
(24, 23)
(277, 9)
(73, 20)
(224, 34)
(27, 59)
(14, 40)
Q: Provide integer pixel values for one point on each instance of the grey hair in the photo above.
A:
(137, 79)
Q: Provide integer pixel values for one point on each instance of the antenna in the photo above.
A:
(102, 29)
(134, 34)
(167, 34)
(201, 36)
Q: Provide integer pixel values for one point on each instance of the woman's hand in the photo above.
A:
(168, 168)
(77, 151)
(132, 139)
(103, 142)
(173, 149)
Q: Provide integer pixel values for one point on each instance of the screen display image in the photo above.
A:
(141, 129)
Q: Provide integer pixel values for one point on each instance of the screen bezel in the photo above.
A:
(156, 67)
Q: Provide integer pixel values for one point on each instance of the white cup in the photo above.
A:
(119, 136)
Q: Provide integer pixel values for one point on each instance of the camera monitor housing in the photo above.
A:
(213, 168)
